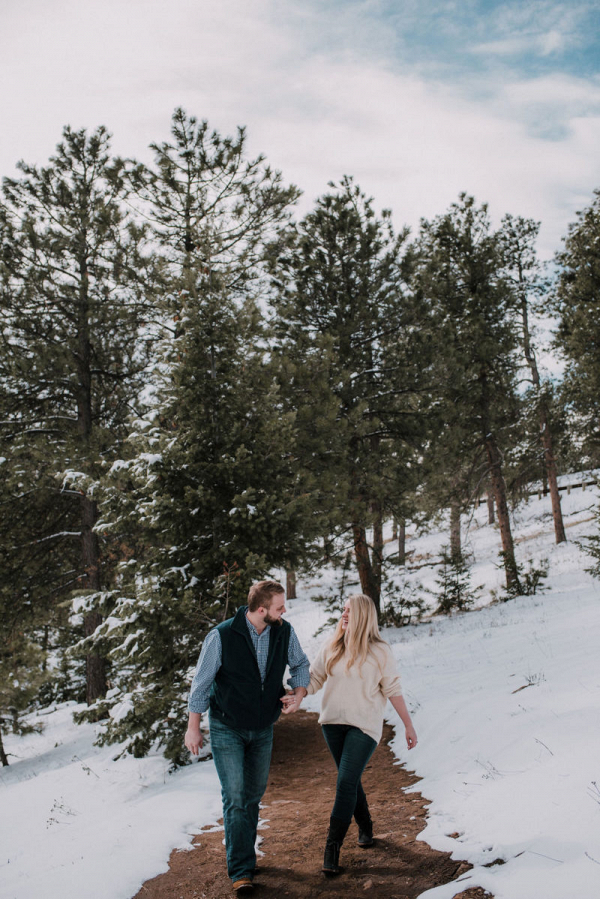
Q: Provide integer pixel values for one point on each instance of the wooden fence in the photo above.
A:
(544, 491)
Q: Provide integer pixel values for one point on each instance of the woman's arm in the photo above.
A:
(318, 673)
(291, 701)
(400, 706)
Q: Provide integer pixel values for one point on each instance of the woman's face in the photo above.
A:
(345, 615)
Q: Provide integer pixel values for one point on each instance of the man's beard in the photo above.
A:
(276, 621)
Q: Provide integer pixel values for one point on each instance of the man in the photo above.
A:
(240, 679)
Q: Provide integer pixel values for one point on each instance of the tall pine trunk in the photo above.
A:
(368, 581)
(3, 755)
(290, 583)
(551, 471)
(455, 545)
(377, 553)
(544, 418)
(499, 490)
(95, 665)
(402, 542)
(494, 458)
(490, 506)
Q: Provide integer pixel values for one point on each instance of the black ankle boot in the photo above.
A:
(365, 835)
(365, 826)
(335, 838)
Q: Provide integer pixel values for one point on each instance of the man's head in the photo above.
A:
(270, 597)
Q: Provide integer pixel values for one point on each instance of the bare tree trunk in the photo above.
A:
(544, 417)
(499, 488)
(95, 665)
(368, 582)
(402, 542)
(455, 545)
(290, 583)
(395, 529)
(3, 755)
(377, 553)
(490, 507)
(559, 528)
(494, 458)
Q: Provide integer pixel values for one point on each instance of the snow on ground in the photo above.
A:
(77, 824)
(505, 700)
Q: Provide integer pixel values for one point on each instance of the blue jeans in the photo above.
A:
(242, 759)
(351, 750)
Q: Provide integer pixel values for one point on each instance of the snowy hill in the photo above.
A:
(505, 700)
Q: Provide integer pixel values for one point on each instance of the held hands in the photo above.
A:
(193, 740)
(292, 700)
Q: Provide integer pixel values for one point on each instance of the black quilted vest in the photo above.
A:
(238, 698)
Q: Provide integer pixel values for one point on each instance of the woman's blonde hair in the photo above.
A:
(361, 634)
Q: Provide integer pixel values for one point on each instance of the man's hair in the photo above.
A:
(262, 593)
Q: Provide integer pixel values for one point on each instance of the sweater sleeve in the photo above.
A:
(390, 679)
(318, 674)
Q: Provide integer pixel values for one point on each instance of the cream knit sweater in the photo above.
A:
(356, 696)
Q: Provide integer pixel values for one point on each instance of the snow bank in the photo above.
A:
(76, 823)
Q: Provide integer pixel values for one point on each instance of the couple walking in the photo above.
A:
(239, 679)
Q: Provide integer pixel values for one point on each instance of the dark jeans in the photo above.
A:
(242, 759)
(351, 750)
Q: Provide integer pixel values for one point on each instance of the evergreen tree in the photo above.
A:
(518, 238)
(454, 581)
(22, 673)
(459, 273)
(350, 337)
(209, 479)
(70, 367)
(576, 299)
(454, 466)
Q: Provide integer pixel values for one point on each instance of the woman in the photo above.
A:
(358, 672)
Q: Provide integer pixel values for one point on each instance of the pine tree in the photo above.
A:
(454, 581)
(454, 466)
(576, 299)
(350, 336)
(70, 367)
(22, 674)
(518, 238)
(209, 478)
(459, 273)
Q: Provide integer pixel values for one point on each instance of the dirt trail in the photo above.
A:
(296, 811)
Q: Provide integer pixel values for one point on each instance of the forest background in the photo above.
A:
(198, 387)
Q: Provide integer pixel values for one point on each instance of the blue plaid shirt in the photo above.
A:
(210, 662)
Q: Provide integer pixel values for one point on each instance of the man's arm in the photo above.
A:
(299, 678)
(193, 735)
(206, 670)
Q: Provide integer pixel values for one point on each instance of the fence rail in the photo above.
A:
(544, 491)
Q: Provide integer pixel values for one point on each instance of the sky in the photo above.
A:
(419, 100)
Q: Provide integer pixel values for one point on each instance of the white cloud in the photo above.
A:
(544, 44)
(318, 105)
(552, 42)
(416, 146)
(538, 17)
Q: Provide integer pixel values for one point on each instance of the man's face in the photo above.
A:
(275, 610)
